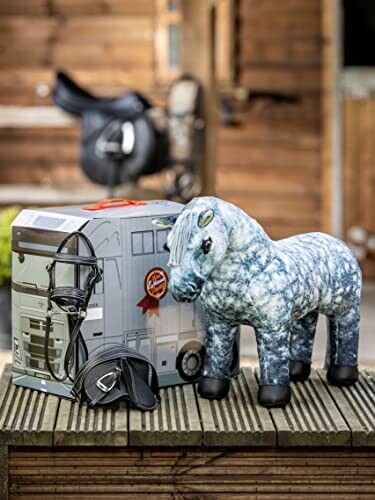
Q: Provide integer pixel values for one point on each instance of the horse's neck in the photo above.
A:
(248, 241)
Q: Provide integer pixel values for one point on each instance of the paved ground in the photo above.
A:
(5, 357)
(248, 346)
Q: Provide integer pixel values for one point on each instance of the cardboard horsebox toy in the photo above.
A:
(130, 306)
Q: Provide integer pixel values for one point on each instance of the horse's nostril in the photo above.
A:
(192, 287)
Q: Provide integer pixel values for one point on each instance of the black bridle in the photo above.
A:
(71, 300)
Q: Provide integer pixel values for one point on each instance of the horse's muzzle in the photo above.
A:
(188, 293)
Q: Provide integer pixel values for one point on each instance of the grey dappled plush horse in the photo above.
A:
(224, 256)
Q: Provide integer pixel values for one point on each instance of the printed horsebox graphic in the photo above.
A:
(156, 287)
(134, 272)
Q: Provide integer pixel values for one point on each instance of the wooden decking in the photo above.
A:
(322, 443)
(318, 415)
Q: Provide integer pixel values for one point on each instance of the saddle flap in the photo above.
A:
(136, 374)
(117, 373)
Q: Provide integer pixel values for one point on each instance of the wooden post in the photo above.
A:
(225, 45)
(198, 59)
(331, 214)
(4, 473)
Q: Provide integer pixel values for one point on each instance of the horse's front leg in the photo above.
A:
(273, 352)
(214, 382)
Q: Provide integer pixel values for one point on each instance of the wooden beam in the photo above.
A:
(331, 193)
(198, 59)
(189, 473)
(39, 195)
(35, 116)
(225, 45)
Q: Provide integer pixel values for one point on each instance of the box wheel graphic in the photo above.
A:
(189, 361)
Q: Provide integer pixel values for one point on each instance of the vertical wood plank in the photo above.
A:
(358, 171)
(198, 59)
(225, 43)
(329, 112)
(367, 195)
(351, 162)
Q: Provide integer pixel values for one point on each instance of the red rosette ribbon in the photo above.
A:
(156, 286)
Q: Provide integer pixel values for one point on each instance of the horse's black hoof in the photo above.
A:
(342, 375)
(213, 388)
(299, 371)
(274, 396)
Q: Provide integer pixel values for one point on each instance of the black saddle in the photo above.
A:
(119, 142)
(125, 137)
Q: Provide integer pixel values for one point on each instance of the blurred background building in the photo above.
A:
(294, 107)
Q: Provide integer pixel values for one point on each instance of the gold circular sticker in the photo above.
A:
(156, 283)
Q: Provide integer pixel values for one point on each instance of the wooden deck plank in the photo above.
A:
(174, 423)
(357, 405)
(26, 417)
(311, 418)
(77, 425)
(237, 420)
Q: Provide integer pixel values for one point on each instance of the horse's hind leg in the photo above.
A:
(302, 333)
(343, 346)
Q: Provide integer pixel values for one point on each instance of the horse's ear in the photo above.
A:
(165, 222)
(205, 218)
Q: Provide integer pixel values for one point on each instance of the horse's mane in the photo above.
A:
(181, 236)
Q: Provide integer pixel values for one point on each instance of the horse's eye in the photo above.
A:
(206, 245)
(166, 247)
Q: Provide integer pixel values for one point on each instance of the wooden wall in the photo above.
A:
(270, 164)
(107, 45)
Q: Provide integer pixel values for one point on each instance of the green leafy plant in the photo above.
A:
(7, 215)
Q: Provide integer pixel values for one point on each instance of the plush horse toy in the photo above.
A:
(224, 256)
